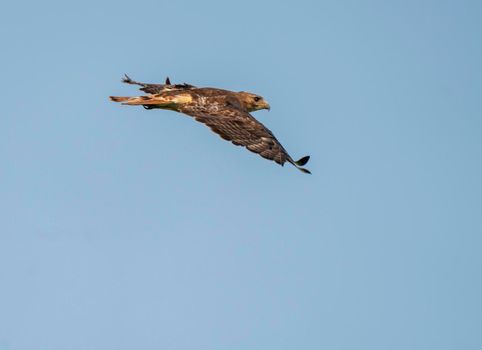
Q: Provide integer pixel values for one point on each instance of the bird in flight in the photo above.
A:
(227, 113)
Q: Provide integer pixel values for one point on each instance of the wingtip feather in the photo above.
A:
(302, 161)
(126, 79)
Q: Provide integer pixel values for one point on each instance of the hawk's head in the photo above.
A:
(253, 102)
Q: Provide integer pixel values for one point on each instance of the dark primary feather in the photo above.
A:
(303, 161)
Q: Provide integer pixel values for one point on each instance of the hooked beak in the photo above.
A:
(267, 106)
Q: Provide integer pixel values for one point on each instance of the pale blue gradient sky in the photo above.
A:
(122, 228)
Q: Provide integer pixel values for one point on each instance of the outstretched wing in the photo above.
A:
(242, 129)
(157, 88)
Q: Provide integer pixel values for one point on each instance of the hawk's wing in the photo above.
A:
(157, 88)
(239, 127)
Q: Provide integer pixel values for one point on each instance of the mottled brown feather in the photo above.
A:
(242, 129)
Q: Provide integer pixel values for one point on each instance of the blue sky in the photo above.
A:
(122, 228)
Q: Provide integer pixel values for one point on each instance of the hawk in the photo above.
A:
(227, 113)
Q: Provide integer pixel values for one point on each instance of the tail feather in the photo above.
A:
(144, 100)
(118, 98)
(157, 100)
(136, 100)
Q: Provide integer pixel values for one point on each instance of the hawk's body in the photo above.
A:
(225, 112)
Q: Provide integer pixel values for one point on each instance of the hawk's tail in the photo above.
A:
(118, 98)
(139, 100)
(155, 101)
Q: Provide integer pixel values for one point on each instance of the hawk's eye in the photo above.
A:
(257, 98)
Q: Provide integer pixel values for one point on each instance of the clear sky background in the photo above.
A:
(122, 228)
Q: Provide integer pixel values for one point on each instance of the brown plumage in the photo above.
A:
(225, 112)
